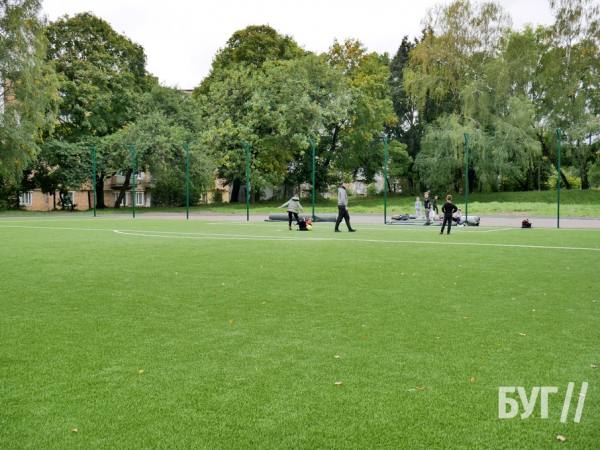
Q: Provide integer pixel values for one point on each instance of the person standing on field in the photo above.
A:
(343, 208)
(448, 209)
(418, 212)
(427, 208)
(293, 205)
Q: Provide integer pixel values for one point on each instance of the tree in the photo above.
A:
(102, 75)
(346, 143)
(167, 118)
(28, 95)
(251, 47)
(265, 90)
(571, 70)
(62, 167)
(408, 129)
(486, 83)
(461, 37)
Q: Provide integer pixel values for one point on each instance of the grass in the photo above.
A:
(236, 327)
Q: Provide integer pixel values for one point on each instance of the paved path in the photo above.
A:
(356, 219)
(486, 221)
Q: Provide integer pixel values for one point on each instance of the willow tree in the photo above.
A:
(28, 95)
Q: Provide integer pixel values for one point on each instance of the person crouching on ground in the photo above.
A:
(293, 205)
(343, 208)
(305, 224)
(457, 217)
(448, 209)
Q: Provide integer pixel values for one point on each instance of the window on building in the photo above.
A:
(141, 176)
(139, 199)
(26, 198)
(124, 202)
(71, 195)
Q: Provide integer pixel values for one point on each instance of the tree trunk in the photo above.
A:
(235, 192)
(585, 182)
(100, 191)
(124, 190)
(553, 160)
(539, 172)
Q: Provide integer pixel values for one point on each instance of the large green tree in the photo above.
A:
(167, 118)
(265, 90)
(276, 110)
(570, 70)
(28, 95)
(102, 75)
(347, 141)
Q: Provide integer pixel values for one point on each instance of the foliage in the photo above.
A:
(273, 102)
(345, 145)
(28, 95)
(166, 119)
(251, 47)
(62, 166)
(101, 75)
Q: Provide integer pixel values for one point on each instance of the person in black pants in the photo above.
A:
(448, 209)
(343, 208)
(435, 208)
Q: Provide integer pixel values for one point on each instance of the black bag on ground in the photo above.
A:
(526, 224)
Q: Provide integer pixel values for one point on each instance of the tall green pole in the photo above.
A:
(131, 148)
(247, 147)
(186, 147)
(93, 150)
(558, 133)
(385, 186)
(312, 143)
(467, 180)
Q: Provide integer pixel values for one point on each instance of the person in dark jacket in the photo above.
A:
(448, 209)
(435, 208)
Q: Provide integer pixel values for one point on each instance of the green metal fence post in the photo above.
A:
(247, 147)
(186, 147)
(131, 148)
(558, 133)
(312, 143)
(385, 186)
(93, 150)
(467, 180)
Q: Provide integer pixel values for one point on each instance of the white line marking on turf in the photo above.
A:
(271, 238)
(186, 235)
(362, 227)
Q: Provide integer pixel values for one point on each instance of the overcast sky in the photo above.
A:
(181, 37)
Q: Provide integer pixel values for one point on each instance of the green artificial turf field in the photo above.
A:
(242, 331)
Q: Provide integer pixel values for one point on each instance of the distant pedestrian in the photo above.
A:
(293, 205)
(448, 209)
(418, 210)
(343, 208)
(435, 207)
(427, 208)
